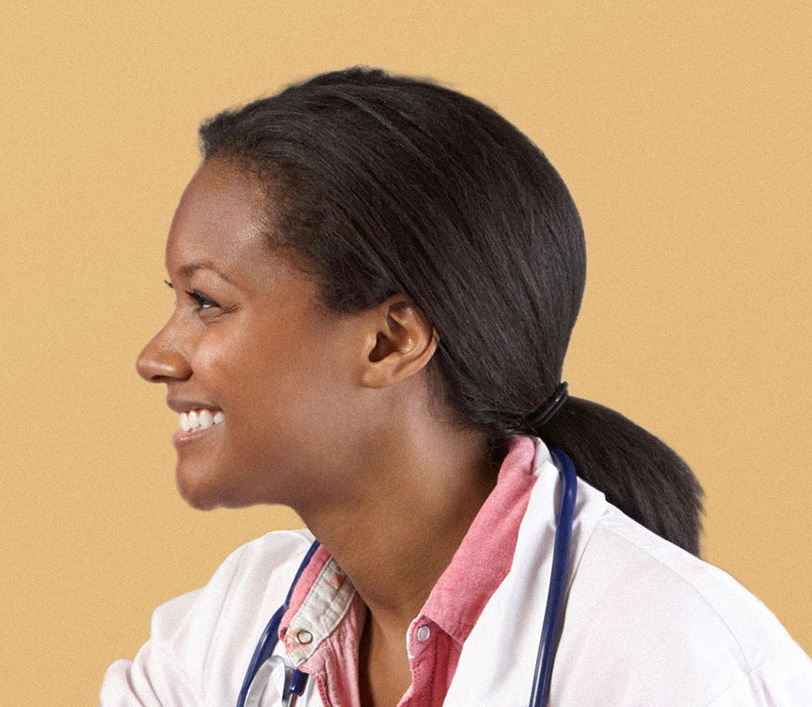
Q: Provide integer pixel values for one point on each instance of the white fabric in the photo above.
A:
(646, 624)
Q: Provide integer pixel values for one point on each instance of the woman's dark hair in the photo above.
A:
(383, 185)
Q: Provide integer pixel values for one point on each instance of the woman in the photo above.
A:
(376, 282)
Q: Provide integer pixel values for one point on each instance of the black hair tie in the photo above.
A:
(538, 417)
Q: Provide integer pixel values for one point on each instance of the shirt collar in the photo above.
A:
(485, 555)
(324, 594)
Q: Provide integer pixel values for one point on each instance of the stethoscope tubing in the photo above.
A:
(554, 610)
(270, 637)
(553, 613)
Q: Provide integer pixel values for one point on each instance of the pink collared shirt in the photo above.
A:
(321, 631)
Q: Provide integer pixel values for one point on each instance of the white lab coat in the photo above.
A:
(646, 624)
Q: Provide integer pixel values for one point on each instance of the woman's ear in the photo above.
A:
(399, 342)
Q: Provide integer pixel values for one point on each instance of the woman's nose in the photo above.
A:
(160, 361)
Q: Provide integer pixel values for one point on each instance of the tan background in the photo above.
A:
(683, 132)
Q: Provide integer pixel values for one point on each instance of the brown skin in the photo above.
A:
(326, 414)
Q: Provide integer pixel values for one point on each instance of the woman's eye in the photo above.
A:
(203, 301)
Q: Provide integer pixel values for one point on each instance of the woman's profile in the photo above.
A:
(376, 280)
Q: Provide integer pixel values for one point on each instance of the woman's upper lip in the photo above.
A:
(179, 405)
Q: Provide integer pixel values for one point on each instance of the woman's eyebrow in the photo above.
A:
(189, 268)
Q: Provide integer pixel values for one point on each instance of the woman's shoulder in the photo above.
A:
(656, 568)
(659, 605)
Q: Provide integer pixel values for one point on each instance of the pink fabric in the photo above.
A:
(478, 567)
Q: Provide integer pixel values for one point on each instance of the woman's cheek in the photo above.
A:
(216, 355)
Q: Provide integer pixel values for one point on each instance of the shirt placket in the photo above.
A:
(421, 645)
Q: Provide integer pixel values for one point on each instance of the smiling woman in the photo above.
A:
(376, 280)
(245, 348)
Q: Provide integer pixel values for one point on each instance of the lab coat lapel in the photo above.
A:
(498, 659)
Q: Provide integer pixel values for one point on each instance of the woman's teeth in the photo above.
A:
(203, 418)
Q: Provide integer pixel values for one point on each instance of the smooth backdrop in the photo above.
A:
(682, 129)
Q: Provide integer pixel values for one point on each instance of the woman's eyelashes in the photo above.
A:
(203, 301)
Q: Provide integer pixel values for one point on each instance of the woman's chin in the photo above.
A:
(200, 493)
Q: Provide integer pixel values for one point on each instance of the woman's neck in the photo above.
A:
(414, 503)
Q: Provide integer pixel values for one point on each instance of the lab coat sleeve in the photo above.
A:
(786, 683)
(153, 679)
(158, 676)
(201, 642)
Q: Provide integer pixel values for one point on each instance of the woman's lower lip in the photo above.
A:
(181, 438)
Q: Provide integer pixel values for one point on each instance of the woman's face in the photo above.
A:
(246, 352)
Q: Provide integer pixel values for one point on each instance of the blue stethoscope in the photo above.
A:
(552, 614)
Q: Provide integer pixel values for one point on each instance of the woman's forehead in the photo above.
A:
(220, 219)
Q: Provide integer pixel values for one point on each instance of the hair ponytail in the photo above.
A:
(385, 185)
(637, 472)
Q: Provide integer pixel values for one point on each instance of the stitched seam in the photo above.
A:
(747, 677)
(581, 554)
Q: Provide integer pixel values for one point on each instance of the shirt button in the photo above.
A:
(423, 634)
(304, 637)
